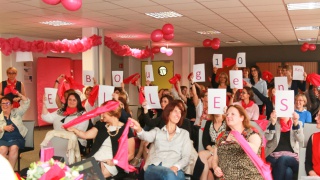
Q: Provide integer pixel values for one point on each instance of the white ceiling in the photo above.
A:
(253, 22)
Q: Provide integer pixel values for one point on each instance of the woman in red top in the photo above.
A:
(312, 163)
(11, 87)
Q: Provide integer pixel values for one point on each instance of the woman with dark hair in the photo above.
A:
(247, 102)
(259, 84)
(215, 125)
(172, 145)
(230, 161)
(106, 133)
(12, 130)
(283, 136)
(71, 109)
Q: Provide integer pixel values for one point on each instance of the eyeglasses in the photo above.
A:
(5, 104)
(243, 92)
(252, 70)
(11, 73)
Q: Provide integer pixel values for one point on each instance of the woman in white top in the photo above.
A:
(71, 110)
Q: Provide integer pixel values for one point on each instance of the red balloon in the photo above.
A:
(215, 45)
(216, 41)
(206, 42)
(312, 47)
(168, 37)
(156, 35)
(167, 29)
(72, 5)
(156, 49)
(305, 45)
(303, 49)
(51, 2)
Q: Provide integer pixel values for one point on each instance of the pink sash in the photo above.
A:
(262, 167)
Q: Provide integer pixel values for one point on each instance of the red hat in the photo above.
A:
(267, 76)
(229, 62)
(313, 79)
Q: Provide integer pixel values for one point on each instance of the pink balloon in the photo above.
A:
(167, 29)
(312, 47)
(163, 49)
(156, 35)
(169, 52)
(51, 2)
(72, 5)
(206, 42)
(168, 37)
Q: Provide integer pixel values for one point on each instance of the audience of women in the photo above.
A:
(11, 87)
(284, 135)
(70, 110)
(215, 125)
(247, 102)
(172, 145)
(12, 130)
(300, 102)
(230, 161)
(106, 134)
(259, 84)
(312, 162)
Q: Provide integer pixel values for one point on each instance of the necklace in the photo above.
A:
(117, 131)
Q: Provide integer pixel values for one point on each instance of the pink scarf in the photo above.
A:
(262, 167)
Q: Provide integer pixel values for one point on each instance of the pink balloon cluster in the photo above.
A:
(214, 43)
(166, 33)
(306, 46)
(167, 51)
(71, 5)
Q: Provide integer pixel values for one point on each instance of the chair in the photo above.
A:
(302, 158)
(29, 144)
(308, 130)
(60, 146)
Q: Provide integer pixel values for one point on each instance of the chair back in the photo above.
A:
(30, 134)
(302, 159)
(60, 146)
(257, 127)
(308, 130)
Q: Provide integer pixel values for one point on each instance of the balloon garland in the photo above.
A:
(73, 46)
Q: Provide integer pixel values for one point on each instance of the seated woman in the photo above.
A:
(214, 126)
(12, 130)
(70, 110)
(312, 163)
(230, 161)
(247, 102)
(172, 145)
(284, 135)
(107, 133)
(300, 101)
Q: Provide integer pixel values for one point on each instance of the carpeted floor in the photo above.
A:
(28, 157)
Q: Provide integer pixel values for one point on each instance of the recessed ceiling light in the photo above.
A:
(208, 32)
(57, 23)
(127, 36)
(300, 6)
(307, 39)
(159, 15)
(307, 28)
(233, 42)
